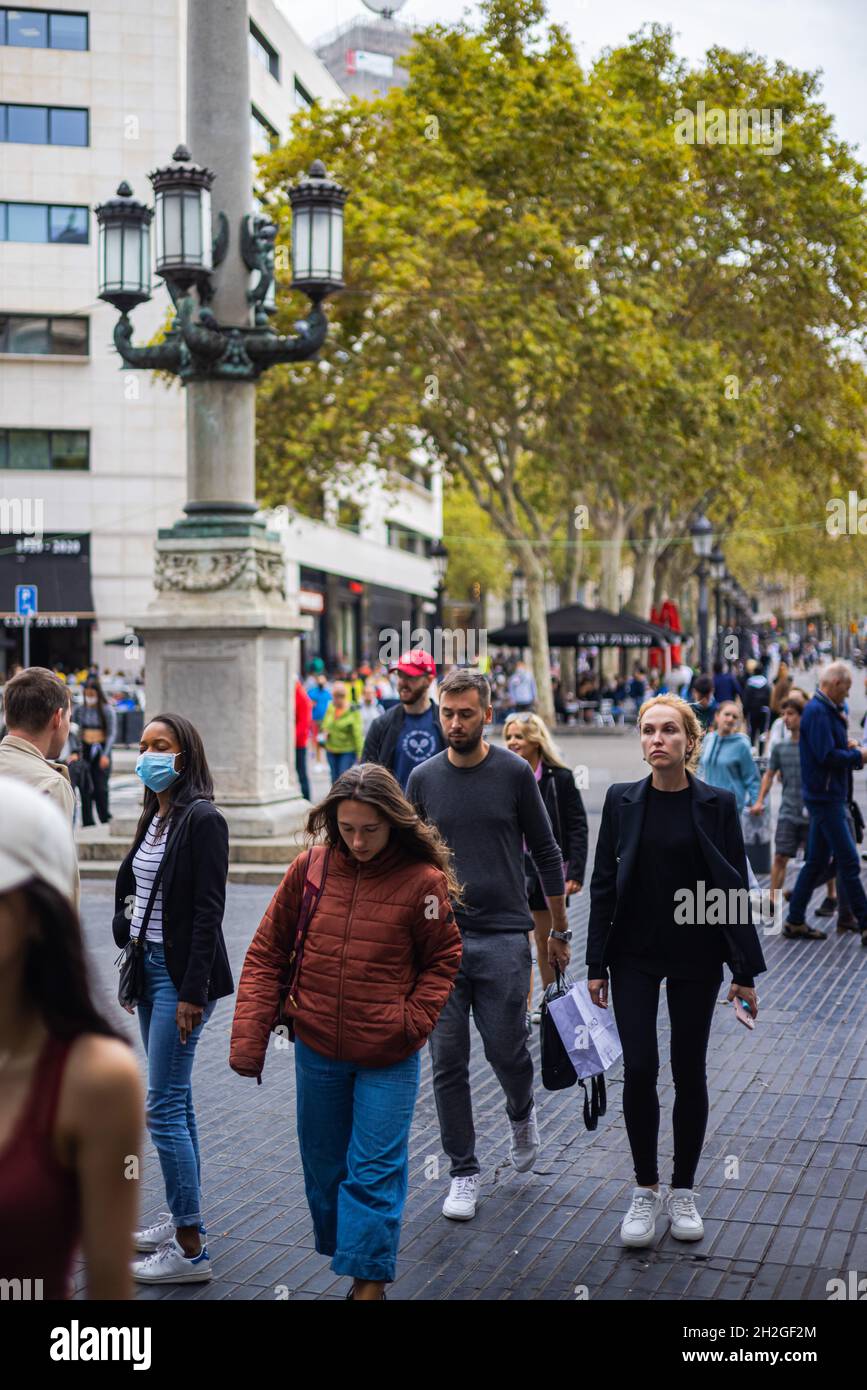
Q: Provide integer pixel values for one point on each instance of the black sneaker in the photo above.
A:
(847, 921)
(828, 908)
(798, 929)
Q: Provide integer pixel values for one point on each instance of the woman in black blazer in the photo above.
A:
(664, 844)
(528, 736)
(172, 886)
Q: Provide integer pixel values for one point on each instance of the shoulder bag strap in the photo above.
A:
(314, 883)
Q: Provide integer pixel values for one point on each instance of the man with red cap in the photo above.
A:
(410, 733)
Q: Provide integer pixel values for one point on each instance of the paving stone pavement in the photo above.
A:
(782, 1181)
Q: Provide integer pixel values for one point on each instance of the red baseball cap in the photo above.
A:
(417, 663)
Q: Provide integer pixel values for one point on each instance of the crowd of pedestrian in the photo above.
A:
(434, 863)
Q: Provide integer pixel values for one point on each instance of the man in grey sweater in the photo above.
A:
(486, 804)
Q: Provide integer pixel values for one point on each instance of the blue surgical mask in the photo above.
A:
(157, 770)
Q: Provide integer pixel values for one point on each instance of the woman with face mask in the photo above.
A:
(171, 890)
(97, 729)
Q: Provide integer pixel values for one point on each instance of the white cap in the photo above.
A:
(35, 840)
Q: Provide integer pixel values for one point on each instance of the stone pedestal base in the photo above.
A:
(220, 650)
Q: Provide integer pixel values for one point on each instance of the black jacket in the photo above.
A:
(719, 833)
(380, 745)
(194, 899)
(568, 818)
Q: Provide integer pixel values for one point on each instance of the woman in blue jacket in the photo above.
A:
(727, 758)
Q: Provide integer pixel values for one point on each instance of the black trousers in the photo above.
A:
(635, 1000)
(94, 789)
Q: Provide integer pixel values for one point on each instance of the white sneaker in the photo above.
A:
(639, 1224)
(460, 1205)
(150, 1238)
(686, 1224)
(525, 1142)
(169, 1265)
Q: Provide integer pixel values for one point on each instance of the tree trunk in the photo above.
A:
(538, 635)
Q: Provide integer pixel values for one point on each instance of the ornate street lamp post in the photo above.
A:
(221, 632)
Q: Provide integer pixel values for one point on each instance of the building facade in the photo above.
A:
(92, 457)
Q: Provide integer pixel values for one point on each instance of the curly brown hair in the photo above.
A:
(376, 786)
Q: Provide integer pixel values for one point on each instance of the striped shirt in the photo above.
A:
(146, 861)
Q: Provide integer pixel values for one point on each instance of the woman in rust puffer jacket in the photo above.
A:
(365, 990)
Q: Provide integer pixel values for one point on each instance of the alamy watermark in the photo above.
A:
(447, 646)
(22, 516)
(739, 125)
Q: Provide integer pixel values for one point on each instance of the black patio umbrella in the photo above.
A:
(577, 626)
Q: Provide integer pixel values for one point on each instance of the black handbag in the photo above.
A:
(130, 962)
(557, 1069)
(857, 820)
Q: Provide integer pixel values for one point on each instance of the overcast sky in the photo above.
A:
(826, 34)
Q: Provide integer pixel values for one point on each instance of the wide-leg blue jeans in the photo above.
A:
(353, 1131)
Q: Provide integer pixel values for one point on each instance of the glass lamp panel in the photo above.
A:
(301, 243)
(205, 233)
(173, 245)
(113, 242)
(321, 239)
(132, 278)
(336, 244)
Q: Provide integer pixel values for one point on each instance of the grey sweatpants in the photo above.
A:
(493, 982)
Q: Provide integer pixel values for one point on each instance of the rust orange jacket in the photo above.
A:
(381, 953)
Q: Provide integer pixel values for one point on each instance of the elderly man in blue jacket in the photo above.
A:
(827, 755)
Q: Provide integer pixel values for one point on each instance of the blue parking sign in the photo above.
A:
(26, 600)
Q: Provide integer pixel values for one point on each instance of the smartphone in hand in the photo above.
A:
(742, 1012)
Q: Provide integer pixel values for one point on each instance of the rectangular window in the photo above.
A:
(349, 516)
(45, 449)
(67, 125)
(303, 99)
(263, 137)
(27, 125)
(43, 125)
(34, 333)
(264, 52)
(68, 224)
(42, 29)
(44, 222)
(67, 30)
(27, 28)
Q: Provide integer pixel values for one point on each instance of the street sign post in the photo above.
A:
(26, 607)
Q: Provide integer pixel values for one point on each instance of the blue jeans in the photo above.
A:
(170, 1115)
(353, 1131)
(340, 762)
(830, 838)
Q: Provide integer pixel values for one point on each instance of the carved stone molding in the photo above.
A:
(206, 571)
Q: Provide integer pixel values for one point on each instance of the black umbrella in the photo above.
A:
(577, 626)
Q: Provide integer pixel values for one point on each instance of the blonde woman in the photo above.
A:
(664, 843)
(528, 736)
(727, 757)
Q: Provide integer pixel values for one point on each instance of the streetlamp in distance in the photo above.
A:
(701, 532)
(440, 556)
(717, 570)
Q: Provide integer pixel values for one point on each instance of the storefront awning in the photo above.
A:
(59, 566)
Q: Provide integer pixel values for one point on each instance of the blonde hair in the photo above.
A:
(739, 726)
(536, 733)
(689, 718)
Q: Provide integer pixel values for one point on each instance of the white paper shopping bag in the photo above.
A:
(589, 1034)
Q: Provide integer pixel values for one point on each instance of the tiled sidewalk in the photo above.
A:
(783, 1179)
